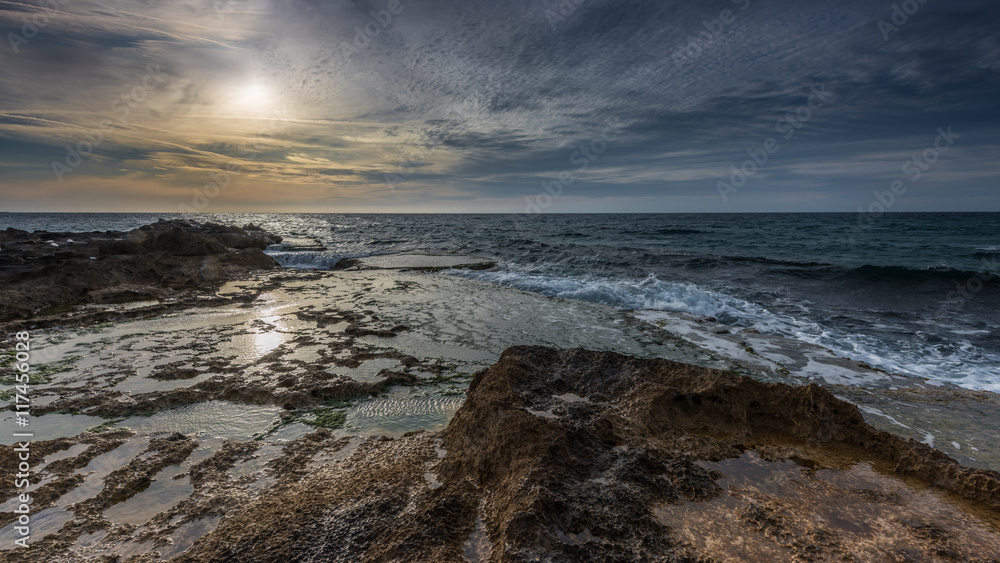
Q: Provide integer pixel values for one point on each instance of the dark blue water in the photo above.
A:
(911, 293)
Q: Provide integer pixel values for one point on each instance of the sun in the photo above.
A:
(254, 96)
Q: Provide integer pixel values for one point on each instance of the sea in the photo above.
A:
(916, 294)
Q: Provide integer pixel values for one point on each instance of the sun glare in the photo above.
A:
(254, 96)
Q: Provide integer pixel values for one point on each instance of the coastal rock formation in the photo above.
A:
(41, 271)
(573, 455)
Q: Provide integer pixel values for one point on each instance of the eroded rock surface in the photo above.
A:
(40, 271)
(573, 455)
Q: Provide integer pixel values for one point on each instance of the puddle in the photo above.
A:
(367, 371)
(89, 540)
(161, 495)
(575, 539)
(261, 458)
(264, 482)
(46, 522)
(205, 449)
(255, 345)
(478, 548)
(138, 384)
(397, 416)
(289, 433)
(432, 480)
(13, 502)
(99, 468)
(572, 398)
(121, 306)
(47, 426)
(130, 548)
(72, 451)
(211, 418)
(327, 456)
(767, 506)
(185, 535)
(543, 414)
(111, 460)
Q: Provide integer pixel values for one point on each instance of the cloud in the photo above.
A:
(486, 100)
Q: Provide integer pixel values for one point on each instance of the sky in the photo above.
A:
(499, 106)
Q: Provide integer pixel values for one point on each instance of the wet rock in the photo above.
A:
(111, 267)
(566, 455)
(546, 478)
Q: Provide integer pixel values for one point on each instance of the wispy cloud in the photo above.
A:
(482, 101)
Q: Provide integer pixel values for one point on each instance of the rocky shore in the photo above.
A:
(571, 455)
(319, 416)
(566, 455)
(45, 273)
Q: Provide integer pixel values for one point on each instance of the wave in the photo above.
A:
(867, 272)
(305, 260)
(664, 231)
(902, 273)
(388, 241)
(961, 364)
(650, 293)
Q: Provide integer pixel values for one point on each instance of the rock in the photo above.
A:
(573, 455)
(110, 267)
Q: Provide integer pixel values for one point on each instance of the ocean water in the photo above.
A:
(915, 294)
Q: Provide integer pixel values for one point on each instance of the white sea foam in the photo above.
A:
(306, 260)
(962, 365)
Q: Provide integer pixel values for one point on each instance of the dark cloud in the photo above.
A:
(489, 99)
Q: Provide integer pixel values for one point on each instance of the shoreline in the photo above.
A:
(322, 357)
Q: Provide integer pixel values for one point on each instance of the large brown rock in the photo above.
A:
(574, 455)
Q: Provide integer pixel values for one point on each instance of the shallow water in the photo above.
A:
(395, 416)
(857, 508)
(478, 548)
(99, 468)
(186, 534)
(460, 326)
(47, 426)
(211, 418)
(256, 463)
(44, 523)
(420, 261)
(161, 495)
(72, 451)
(878, 295)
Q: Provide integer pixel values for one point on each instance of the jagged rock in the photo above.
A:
(573, 455)
(111, 266)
